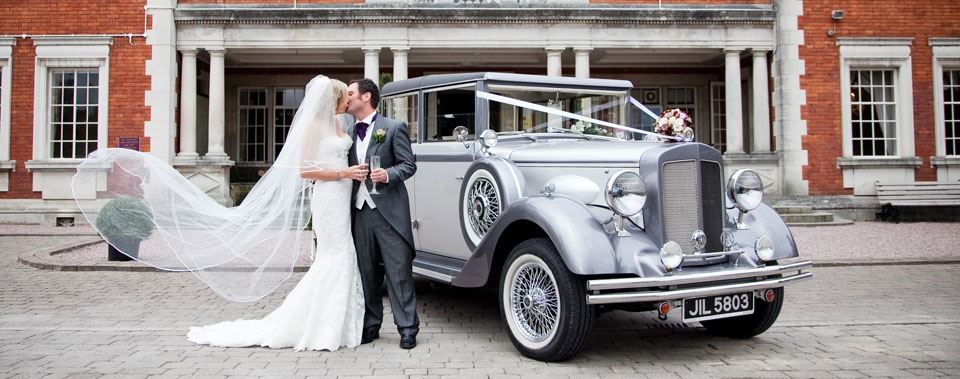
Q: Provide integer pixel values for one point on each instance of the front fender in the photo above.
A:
(579, 237)
(764, 220)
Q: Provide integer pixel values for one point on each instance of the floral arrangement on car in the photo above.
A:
(675, 123)
(589, 128)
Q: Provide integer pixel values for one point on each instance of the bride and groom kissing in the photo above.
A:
(361, 218)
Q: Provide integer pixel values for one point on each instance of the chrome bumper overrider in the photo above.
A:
(637, 290)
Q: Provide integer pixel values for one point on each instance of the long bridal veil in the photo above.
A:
(149, 211)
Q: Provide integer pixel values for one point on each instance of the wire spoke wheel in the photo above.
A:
(534, 301)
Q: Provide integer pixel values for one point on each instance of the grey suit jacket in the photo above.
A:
(396, 156)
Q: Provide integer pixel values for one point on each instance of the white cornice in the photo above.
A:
(72, 40)
(875, 41)
(938, 41)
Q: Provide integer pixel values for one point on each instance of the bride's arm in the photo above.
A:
(322, 174)
(358, 172)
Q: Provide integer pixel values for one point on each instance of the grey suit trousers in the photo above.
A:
(382, 251)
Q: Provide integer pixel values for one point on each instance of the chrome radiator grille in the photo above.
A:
(692, 196)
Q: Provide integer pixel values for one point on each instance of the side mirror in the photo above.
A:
(461, 134)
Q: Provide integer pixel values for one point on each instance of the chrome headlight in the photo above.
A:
(488, 139)
(764, 248)
(671, 254)
(746, 189)
(626, 193)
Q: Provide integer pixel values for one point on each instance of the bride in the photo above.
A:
(246, 252)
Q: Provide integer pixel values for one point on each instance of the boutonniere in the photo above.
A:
(379, 135)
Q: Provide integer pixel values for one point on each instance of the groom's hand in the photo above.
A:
(379, 175)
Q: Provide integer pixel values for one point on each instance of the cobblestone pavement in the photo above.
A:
(847, 321)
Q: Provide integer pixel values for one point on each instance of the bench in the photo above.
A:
(894, 197)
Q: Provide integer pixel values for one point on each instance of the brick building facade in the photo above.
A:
(822, 98)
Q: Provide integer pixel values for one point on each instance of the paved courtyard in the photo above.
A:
(849, 321)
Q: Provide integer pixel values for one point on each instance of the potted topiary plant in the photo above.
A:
(124, 222)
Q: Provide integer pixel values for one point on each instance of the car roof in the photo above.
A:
(440, 80)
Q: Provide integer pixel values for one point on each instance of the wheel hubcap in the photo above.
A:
(535, 303)
(484, 206)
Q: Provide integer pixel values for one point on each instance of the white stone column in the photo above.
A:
(399, 63)
(371, 64)
(554, 63)
(188, 105)
(583, 62)
(761, 103)
(217, 106)
(734, 107)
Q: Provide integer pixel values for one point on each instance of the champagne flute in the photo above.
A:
(374, 165)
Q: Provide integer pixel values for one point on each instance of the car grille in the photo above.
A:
(692, 196)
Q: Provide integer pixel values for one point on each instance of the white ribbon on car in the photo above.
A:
(642, 108)
(540, 108)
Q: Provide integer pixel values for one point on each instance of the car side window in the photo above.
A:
(404, 108)
(448, 109)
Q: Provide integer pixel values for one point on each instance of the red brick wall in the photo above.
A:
(919, 19)
(128, 80)
(71, 17)
(21, 121)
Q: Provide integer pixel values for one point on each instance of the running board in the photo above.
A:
(437, 267)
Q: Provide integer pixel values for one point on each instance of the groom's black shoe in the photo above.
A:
(408, 339)
(369, 335)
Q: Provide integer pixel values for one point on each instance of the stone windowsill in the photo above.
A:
(753, 158)
(7, 166)
(945, 161)
(179, 162)
(862, 163)
(56, 165)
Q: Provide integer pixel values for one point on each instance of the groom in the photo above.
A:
(381, 222)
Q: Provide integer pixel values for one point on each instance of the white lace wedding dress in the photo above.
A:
(325, 310)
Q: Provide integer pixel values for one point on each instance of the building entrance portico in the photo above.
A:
(717, 70)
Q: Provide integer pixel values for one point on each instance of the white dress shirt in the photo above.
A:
(363, 196)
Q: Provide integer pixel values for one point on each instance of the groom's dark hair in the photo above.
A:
(368, 86)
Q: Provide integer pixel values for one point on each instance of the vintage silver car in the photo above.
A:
(569, 219)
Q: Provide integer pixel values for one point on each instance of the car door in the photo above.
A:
(441, 164)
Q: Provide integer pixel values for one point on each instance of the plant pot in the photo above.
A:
(130, 247)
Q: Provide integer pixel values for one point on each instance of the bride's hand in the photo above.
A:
(358, 172)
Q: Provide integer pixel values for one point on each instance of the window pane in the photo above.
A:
(951, 111)
(873, 112)
(252, 124)
(70, 116)
(448, 109)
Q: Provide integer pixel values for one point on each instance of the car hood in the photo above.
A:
(574, 151)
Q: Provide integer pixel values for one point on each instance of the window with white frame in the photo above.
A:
(718, 116)
(2, 105)
(684, 98)
(951, 111)
(286, 102)
(873, 112)
(73, 111)
(253, 125)
(876, 104)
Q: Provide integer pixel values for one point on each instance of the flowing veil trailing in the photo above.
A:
(243, 252)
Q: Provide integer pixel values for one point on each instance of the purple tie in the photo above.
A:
(362, 130)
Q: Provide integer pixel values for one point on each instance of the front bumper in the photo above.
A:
(698, 284)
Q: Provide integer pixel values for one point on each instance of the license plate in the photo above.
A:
(720, 306)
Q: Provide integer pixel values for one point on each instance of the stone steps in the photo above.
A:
(799, 215)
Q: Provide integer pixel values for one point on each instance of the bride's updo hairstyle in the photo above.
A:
(339, 91)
